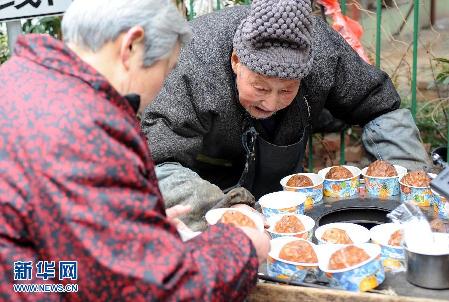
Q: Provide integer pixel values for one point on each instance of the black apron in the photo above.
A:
(266, 163)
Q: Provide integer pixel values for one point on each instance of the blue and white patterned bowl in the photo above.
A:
(282, 202)
(421, 196)
(393, 257)
(283, 269)
(314, 194)
(341, 188)
(357, 233)
(308, 223)
(441, 206)
(361, 277)
(383, 187)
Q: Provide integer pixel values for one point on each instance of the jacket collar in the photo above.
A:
(54, 54)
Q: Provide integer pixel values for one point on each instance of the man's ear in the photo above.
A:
(131, 39)
(235, 62)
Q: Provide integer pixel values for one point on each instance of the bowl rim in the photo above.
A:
(336, 225)
(364, 170)
(288, 239)
(373, 249)
(300, 216)
(285, 179)
(350, 168)
(295, 203)
(405, 185)
(257, 220)
(377, 228)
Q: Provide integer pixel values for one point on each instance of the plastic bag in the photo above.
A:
(350, 29)
(417, 231)
(418, 236)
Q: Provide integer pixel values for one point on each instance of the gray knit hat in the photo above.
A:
(275, 38)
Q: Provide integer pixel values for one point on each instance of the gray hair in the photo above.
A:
(93, 23)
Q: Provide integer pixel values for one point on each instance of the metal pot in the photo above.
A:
(428, 271)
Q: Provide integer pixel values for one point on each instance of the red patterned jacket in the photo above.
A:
(77, 183)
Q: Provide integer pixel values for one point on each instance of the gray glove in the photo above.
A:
(394, 137)
(180, 185)
(236, 196)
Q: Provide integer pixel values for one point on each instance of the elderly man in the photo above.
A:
(238, 109)
(79, 200)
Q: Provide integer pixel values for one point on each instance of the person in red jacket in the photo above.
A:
(81, 215)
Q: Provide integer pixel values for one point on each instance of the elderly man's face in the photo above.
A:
(260, 95)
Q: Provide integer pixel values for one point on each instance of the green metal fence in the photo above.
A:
(416, 29)
(378, 60)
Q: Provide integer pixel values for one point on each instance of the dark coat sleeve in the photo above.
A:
(196, 98)
(360, 92)
(175, 123)
(365, 95)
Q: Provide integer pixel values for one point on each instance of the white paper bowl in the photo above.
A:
(283, 269)
(393, 257)
(440, 206)
(282, 202)
(341, 188)
(383, 187)
(381, 234)
(314, 193)
(308, 223)
(361, 277)
(214, 216)
(421, 196)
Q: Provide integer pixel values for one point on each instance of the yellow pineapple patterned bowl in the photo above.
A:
(383, 187)
(361, 277)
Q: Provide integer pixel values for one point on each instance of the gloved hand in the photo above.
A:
(237, 196)
(241, 198)
(182, 186)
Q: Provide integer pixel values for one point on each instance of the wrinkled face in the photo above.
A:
(262, 96)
